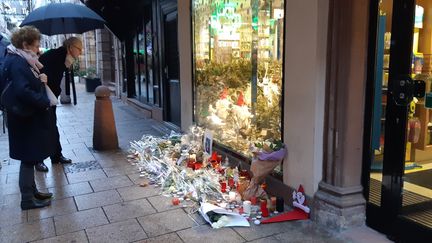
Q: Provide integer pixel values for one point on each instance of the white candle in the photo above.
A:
(247, 207)
(232, 196)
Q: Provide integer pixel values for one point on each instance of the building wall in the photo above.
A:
(89, 49)
(185, 55)
(306, 23)
(105, 56)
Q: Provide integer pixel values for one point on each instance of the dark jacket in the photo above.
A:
(54, 67)
(30, 138)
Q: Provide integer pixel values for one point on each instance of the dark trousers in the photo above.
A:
(58, 147)
(27, 181)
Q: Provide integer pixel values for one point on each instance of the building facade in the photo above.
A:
(332, 79)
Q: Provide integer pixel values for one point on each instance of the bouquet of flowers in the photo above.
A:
(267, 155)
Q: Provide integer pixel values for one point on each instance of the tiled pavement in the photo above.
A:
(103, 202)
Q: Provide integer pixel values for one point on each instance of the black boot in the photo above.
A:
(43, 195)
(34, 203)
(41, 167)
(61, 159)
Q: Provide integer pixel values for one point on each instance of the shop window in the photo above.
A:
(238, 55)
(147, 80)
(141, 66)
(137, 66)
(149, 59)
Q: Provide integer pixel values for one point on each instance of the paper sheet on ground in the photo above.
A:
(235, 219)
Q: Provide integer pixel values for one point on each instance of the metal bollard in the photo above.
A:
(104, 129)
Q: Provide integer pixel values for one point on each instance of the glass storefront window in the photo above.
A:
(238, 52)
(137, 67)
(149, 56)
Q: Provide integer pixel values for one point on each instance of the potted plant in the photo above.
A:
(76, 71)
(92, 80)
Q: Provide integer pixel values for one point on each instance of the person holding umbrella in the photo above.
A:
(56, 62)
(30, 136)
(62, 18)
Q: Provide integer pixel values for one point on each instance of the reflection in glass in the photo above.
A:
(136, 68)
(238, 51)
(149, 56)
(417, 186)
(141, 63)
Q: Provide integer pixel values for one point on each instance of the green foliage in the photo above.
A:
(91, 73)
(77, 69)
(80, 73)
(76, 65)
(270, 145)
(236, 74)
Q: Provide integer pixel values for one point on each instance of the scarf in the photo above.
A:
(29, 56)
(35, 66)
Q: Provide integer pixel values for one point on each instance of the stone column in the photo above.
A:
(339, 202)
(185, 46)
(105, 52)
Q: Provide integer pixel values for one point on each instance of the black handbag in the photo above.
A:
(9, 101)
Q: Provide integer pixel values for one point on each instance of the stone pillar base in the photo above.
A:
(339, 208)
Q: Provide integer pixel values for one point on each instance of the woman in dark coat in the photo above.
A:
(56, 62)
(30, 138)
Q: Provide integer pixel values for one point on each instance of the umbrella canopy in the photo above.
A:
(63, 18)
(4, 42)
(4, 39)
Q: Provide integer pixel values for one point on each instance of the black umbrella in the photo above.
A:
(63, 18)
(4, 39)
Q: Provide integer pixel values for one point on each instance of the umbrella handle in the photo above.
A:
(73, 90)
(67, 82)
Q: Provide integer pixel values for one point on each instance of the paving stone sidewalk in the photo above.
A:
(98, 197)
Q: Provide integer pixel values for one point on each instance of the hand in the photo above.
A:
(43, 78)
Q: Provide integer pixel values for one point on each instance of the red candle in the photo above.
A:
(219, 158)
(264, 210)
(223, 186)
(213, 156)
(197, 165)
(231, 182)
(214, 163)
(176, 201)
(191, 163)
(241, 210)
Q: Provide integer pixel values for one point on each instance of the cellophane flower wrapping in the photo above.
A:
(163, 161)
(265, 160)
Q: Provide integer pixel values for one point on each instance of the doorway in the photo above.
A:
(171, 72)
(398, 166)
